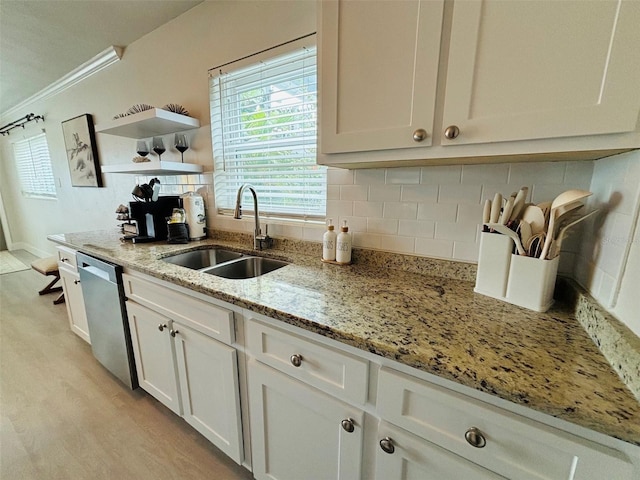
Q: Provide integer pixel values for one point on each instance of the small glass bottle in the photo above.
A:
(343, 245)
(329, 243)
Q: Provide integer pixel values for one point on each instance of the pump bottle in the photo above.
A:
(343, 245)
(329, 243)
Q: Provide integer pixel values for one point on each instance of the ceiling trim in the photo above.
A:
(97, 63)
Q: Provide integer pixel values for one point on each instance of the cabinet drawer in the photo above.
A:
(67, 257)
(332, 371)
(214, 321)
(515, 447)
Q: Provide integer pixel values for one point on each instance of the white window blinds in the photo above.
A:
(34, 167)
(263, 123)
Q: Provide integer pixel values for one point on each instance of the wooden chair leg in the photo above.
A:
(50, 288)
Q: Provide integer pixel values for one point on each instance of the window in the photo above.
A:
(34, 167)
(263, 124)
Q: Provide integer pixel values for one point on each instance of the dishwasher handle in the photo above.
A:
(105, 270)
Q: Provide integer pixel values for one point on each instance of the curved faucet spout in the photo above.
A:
(258, 238)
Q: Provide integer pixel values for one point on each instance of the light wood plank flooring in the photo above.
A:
(63, 416)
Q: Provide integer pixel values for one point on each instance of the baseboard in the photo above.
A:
(30, 248)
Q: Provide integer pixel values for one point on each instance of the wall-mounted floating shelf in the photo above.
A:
(150, 123)
(153, 168)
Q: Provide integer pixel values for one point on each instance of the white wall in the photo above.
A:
(430, 211)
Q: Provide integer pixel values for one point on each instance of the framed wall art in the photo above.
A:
(82, 154)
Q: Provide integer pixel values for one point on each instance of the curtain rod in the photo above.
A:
(21, 122)
(262, 51)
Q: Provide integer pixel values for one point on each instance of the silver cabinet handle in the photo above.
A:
(451, 132)
(419, 135)
(296, 359)
(386, 444)
(348, 425)
(475, 438)
(162, 326)
(173, 333)
(76, 282)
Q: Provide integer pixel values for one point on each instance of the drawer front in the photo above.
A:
(209, 319)
(332, 371)
(515, 447)
(67, 258)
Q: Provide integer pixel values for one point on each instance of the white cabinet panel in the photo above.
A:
(542, 69)
(208, 373)
(296, 430)
(153, 352)
(74, 301)
(378, 73)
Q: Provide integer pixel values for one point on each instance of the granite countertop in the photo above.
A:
(545, 361)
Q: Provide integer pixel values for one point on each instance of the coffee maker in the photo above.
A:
(151, 218)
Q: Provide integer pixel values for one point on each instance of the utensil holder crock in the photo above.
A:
(524, 281)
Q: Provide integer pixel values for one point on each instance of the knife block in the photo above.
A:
(524, 281)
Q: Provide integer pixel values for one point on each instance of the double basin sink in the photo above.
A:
(225, 263)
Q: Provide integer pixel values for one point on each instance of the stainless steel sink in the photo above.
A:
(199, 259)
(246, 267)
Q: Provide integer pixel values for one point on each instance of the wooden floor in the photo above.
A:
(63, 416)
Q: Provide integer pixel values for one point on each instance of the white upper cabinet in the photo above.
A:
(542, 69)
(513, 80)
(379, 74)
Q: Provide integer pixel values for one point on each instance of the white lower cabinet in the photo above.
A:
(154, 355)
(74, 300)
(403, 456)
(182, 366)
(298, 432)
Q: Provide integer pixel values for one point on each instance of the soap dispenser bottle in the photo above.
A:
(329, 243)
(343, 245)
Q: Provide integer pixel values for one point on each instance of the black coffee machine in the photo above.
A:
(151, 218)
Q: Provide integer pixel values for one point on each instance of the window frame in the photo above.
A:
(218, 148)
(40, 166)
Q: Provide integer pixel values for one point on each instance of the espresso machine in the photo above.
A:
(150, 218)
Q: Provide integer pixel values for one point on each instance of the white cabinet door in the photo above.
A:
(75, 303)
(542, 69)
(153, 352)
(208, 374)
(296, 430)
(407, 457)
(378, 73)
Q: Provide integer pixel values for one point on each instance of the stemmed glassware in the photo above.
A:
(142, 148)
(181, 144)
(158, 147)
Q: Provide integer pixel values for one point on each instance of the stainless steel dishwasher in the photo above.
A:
(103, 293)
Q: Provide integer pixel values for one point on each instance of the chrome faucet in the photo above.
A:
(259, 240)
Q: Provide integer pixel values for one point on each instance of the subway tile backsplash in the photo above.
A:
(436, 211)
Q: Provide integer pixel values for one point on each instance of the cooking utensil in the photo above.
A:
(506, 211)
(486, 214)
(524, 230)
(496, 205)
(534, 216)
(562, 200)
(518, 203)
(534, 246)
(500, 228)
(563, 231)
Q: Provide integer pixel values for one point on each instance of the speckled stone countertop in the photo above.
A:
(546, 362)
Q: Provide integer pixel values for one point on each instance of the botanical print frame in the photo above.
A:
(82, 155)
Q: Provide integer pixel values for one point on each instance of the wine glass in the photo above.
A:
(181, 144)
(158, 147)
(142, 148)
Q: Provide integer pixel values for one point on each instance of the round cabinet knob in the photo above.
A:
(419, 135)
(162, 326)
(64, 259)
(76, 282)
(386, 444)
(451, 132)
(173, 333)
(296, 360)
(475, 438)
(348, 425)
